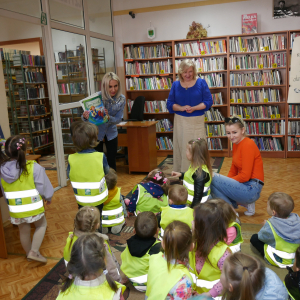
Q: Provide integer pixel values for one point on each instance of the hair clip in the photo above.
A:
(245, 268)
(154, 177)
(165, 180)
(70, 276)
(105, 272)
(157, 176)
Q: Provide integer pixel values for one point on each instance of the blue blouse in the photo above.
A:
(199, 93)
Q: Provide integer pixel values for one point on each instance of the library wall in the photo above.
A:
(224, 19)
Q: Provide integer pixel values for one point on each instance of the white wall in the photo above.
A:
(224, 19)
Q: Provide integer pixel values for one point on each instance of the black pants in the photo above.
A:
(111, 147)
(100, 208)
(256, 243)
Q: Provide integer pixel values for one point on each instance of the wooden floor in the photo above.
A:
(18, 276)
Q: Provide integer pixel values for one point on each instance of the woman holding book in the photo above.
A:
(189, 98)
(245, 180)
(114, 103)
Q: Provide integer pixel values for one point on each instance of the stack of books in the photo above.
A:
(205, 64)
(154, 83)
(213, 79)
(164, 143)
(255, 96)
(266, 128)
(29, 76)
(294, 127)
(268, 144)
(293, 143)
(255, 44)
(72, 88)
(143, 52)
(255, 78)
(213, 115)
(200, 48)
(28, 60)
(148, 68)
(214, 144)
(32, 93)
(215, 130)
(256, 112)
(294, 111)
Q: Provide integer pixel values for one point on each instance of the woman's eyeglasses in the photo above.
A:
(233, 120)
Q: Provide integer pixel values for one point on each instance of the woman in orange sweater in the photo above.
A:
(245, 179)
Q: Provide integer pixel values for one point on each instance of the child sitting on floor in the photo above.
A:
(292, 280)
(87, 220)
(279, 238)
(88, 277)
(177, 209)
(112, 214)
(135, 258)
(245, 278)
(234, 232)
(150, 194)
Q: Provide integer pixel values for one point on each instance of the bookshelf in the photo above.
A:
(27, 97)
(245, 73)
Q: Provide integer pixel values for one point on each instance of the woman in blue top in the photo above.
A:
(189, 98)
(114, 103)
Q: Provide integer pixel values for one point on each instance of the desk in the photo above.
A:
(3, 250)
(141, 142)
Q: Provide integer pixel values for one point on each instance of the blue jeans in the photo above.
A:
(233, 191)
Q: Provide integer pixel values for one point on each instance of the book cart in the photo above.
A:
(72, 84)
(247, 75)
(28, 101)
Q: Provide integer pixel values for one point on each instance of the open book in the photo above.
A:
(94, 105)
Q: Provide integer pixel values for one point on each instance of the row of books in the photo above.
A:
(200, 48)
(66, 123)
(70, 54)
(255, 96)
(163, 125)
(293, 143)
(36, 125)
(268, 144)
(40, 140)
(77, 111)
(67, 139)
(8, 53)
(266, 128)
(214, 115)
(32, 93)
(159, 67)
(259, 61)
(72, 88)
(164, 143)
(215, 130)
(71, 69)
(213, 79)
(34, 110)
(294, 111)
(29, 76)
(205, 64)
(256, 112)
(294, 127)
(153, 83)
(293, 36)
(151, 106)
(255, 78)
(143, 52)
(28, 60)
(255, 44)
(214, 144)
(217, 99)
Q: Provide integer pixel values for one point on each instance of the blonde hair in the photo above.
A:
(246, 274)
(105, 85)
(240, 124)
(200, 155)
(184, 65)
(282, 203)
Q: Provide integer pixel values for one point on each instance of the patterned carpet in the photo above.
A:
(47, 288)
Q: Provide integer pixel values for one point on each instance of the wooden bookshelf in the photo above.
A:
(226, 89)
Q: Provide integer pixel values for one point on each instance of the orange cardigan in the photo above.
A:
(246, 162)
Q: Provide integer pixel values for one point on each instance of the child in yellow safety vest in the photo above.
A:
(24, 185)
(177, 209)
(279, 238)
(113, 214)
(87, 167)
(87, 220)
(150, 194)
(88, 277)
(234, 232)
(292, 280)
(207, 258)
(169, 276)
(140, 247)
(197, 178)
(245, 278)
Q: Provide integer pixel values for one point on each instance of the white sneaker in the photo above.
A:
(250, 209)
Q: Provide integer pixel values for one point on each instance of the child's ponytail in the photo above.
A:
(246, 288)
(15, 148)
(110, 281)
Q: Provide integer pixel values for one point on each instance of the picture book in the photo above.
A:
(249, 23)
(94, 105)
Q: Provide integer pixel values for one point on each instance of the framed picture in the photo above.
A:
(285, 9)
